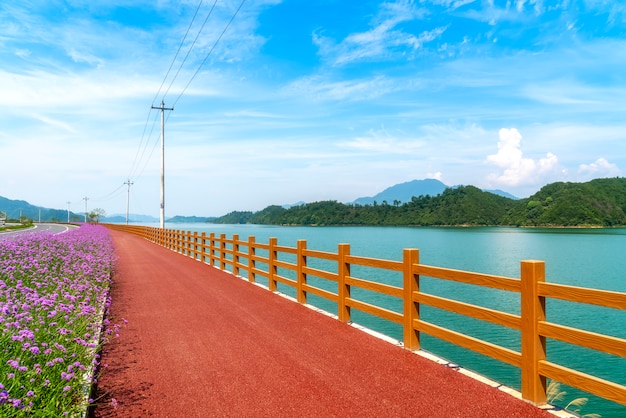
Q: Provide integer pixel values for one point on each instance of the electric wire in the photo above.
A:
(115, 193)
(190, 49)
(156, 142)
(182, 42)
(136, 162)
(143, 135)
(209, 53)
(144, 143)
(147, 143)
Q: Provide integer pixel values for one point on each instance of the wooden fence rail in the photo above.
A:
(247, 257)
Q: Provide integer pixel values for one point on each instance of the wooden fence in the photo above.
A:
(226, 254)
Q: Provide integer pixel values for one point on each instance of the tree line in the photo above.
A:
(600, 202)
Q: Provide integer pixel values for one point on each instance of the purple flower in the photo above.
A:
(51, 283)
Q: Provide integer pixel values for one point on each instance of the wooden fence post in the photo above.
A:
(411, 309)
(236, 254)
(273, 269)
(222, 251)
(202, 248)
(301, 276)
(212, 249)
(343, 289)
(251, 260)
(533, 308)
(194, 250)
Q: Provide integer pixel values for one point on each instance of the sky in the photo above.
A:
(285, 101)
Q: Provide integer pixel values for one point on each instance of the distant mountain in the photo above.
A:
(502, 193)
(132, 217)
(403, 192)
(289, 205)
(15, 208)
(190, 219)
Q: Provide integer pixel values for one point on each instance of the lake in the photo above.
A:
(592, 258)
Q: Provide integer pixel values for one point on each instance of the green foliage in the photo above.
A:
(235, 218)
(600, 202)
(14, 208)
(14, 227)
(556, 396)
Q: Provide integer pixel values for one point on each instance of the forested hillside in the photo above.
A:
(16, 208)
(600, 202)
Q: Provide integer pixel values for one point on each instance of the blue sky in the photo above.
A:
(304, 100)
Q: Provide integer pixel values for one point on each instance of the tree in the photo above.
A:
(96, 214)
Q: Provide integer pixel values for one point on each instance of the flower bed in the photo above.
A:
(53, 291)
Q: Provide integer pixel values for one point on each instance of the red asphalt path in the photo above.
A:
(200, 342)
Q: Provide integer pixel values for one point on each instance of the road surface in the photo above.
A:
(201, 343)
(52, 228)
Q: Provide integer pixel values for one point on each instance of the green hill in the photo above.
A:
(15, 208)
(600, 202)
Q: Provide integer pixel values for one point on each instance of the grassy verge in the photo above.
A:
(14, 227)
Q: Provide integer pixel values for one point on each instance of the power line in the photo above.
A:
(190, 49)
(109, 196)
(143, 135)
(145, 147)
(210, 51)
(182, 42)
(136, 161)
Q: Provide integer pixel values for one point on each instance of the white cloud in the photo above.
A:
(22, 53)
(382, 142)
(436, 176)
(451, 4)
(383, 40)
(600, 168)
(319, 88)
(87, 58)
(56, 123)
(516, 169)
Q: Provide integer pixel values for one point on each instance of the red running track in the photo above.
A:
(201, 343)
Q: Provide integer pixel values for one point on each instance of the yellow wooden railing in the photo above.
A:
(226, 254)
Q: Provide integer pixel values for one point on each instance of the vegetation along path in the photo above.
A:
(200, 342)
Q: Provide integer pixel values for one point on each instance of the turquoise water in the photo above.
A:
(582, 257)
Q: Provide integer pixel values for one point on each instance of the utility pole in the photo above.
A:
(68, 211)
(85, 199)
(162, 211)
(129, 183)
